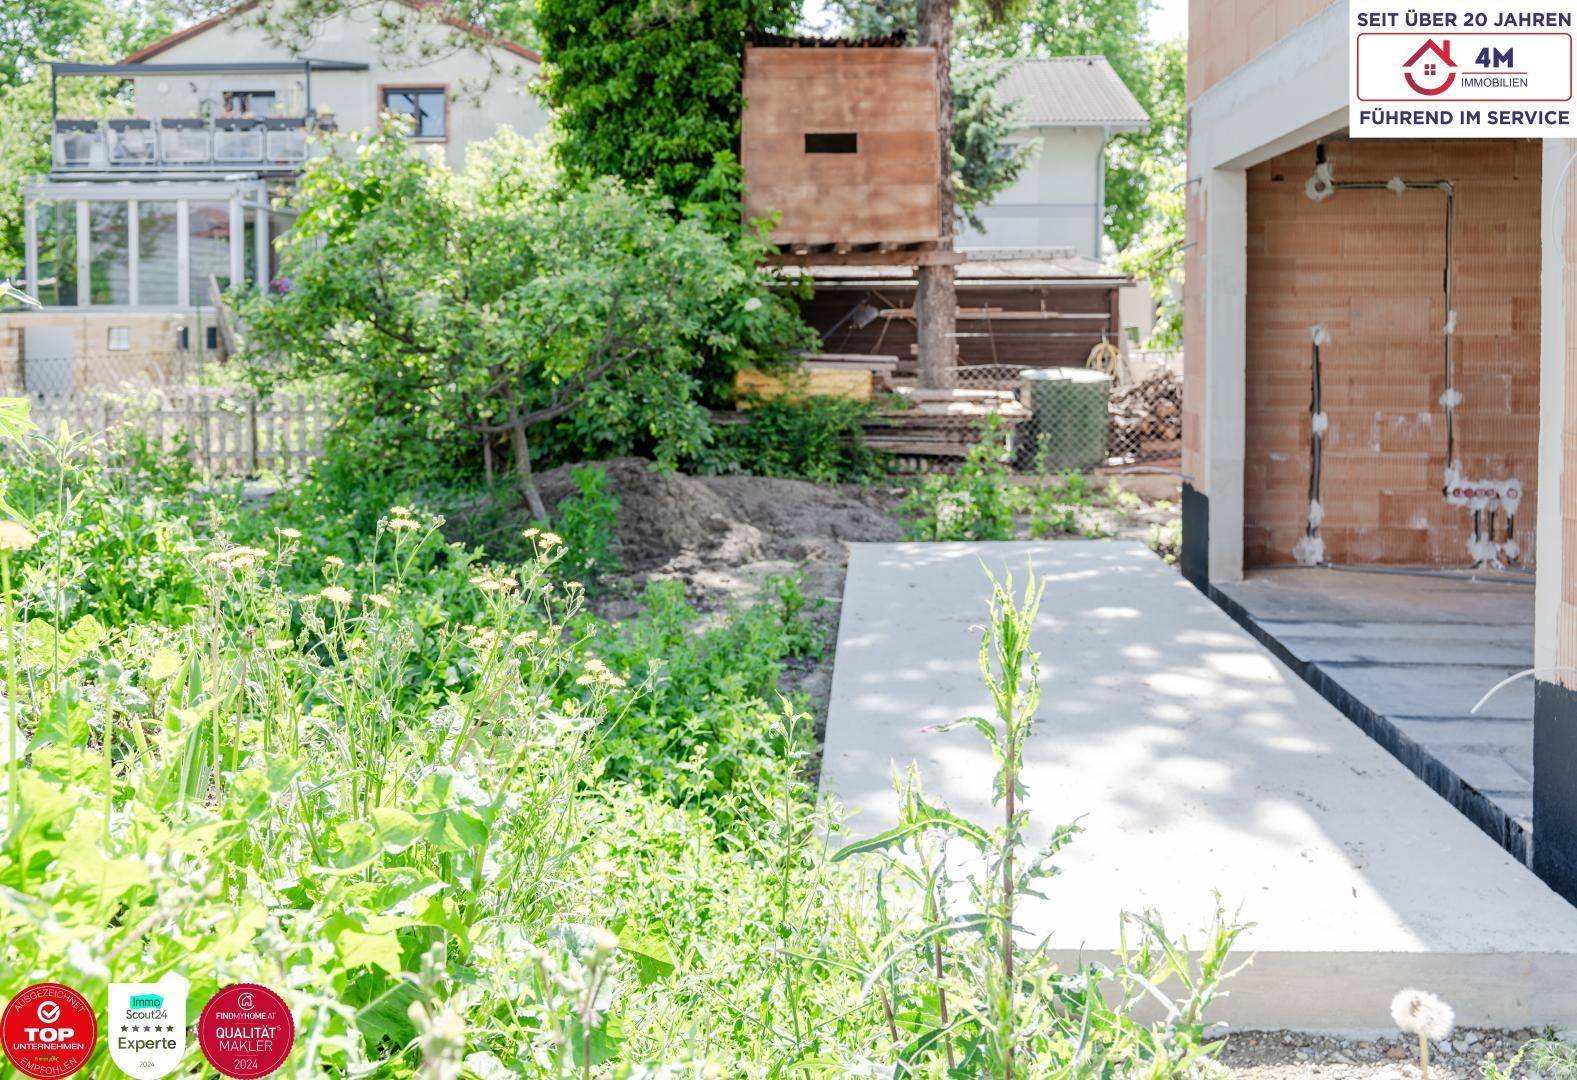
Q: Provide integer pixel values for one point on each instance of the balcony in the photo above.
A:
(190, 145)
(182, 144)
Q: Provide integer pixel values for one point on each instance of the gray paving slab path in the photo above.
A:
(1420, 652)
(1195, 762)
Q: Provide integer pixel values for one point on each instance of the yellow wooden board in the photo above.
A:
(852, 384)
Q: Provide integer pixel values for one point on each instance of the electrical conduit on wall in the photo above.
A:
(1484, 498)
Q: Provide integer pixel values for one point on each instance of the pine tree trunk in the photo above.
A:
(936, 298)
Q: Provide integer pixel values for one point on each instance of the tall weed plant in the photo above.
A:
(469, 828)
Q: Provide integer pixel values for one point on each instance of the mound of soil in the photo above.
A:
(724, 536)
(670, 524)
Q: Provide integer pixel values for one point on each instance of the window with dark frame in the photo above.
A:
(249, 102)
(423, 104)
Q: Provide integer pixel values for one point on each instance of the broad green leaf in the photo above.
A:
(653, 959)
(396, 830)
(357, 949)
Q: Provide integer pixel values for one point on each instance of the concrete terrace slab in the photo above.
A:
(1408, 656)
(1196, 762)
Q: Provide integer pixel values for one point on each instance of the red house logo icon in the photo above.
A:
(1432, 62)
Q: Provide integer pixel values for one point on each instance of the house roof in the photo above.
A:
(147, 52)
(1071, 91)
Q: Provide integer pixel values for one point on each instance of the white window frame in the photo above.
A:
(241, 199)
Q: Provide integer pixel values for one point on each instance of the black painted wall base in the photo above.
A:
(1555, 787)
(1195, 558)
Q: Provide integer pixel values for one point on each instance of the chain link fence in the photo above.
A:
(59, 375)
(1082, 418)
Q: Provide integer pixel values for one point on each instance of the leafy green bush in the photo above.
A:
(978, 501)
(449, 310)
(653, 94)
(815, 438)
(116, 520)
(587, 521)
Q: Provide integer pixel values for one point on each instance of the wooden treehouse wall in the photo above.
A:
(841, 142)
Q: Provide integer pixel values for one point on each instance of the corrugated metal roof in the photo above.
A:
(1071, 91)
(982, 266)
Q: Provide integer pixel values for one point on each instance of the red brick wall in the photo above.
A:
(1367, 264)
(1223, 35)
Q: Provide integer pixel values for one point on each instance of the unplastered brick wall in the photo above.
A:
(1223, 35)
(1367, 265)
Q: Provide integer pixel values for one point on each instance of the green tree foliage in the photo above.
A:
(456, 308)
(1155, 254)
(25, 137)
(34, 31)
(984, 162)
(650, 90)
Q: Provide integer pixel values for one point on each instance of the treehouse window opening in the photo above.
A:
(832, 142)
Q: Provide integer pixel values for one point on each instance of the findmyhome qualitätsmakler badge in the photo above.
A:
(147, 1027)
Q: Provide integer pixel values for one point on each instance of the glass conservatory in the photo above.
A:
(147, 245)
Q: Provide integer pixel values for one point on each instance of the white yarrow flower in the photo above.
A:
(1421, 1013)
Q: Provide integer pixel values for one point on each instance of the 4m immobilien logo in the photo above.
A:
(1463, 70)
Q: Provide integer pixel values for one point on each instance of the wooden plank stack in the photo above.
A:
(842, 375)
(942, 422)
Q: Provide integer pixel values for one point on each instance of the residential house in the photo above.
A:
(143, 221)
(1380, 345)
(1071, 107)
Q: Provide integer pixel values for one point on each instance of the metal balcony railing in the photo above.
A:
(181, 143)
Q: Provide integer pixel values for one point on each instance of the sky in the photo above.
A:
(1168, 19)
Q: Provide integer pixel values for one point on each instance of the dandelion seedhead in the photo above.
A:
(1418, 1012)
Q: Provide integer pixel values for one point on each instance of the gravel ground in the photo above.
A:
(1281, 1055)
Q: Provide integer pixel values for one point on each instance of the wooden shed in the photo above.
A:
(840, 139)
(1017, 307)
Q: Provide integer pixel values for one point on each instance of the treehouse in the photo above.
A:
(839, 139)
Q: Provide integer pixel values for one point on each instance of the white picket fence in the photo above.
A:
(229, 431)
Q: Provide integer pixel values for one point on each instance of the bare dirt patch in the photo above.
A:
(724, 537)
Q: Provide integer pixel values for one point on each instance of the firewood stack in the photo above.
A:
(1148, 414)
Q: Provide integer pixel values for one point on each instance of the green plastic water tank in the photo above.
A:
(1068, 421)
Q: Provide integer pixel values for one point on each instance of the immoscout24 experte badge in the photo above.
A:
(147, 1027)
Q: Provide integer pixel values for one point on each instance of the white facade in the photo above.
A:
(191, 212)
(478, 99)
(1058, 201)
